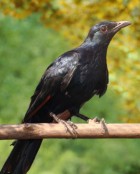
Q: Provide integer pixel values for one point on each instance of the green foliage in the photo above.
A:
(73, 18)
(27, 48)
(24, 53)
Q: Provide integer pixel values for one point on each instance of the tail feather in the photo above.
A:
(21, 157)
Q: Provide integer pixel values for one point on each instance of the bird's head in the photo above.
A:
(103, 32)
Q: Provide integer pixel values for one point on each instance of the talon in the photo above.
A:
(102, 121)
(94, 120)
(104, 125)
(67, 124)
(72, 124)
(74, 127)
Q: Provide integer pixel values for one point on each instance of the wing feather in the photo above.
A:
(55, 79)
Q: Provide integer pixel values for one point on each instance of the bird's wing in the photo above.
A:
(55, 79)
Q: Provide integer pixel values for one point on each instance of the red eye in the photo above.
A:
(103, 28)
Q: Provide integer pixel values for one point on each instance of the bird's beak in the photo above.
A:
(120, 25)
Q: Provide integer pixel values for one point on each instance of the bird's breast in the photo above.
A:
(87, 81)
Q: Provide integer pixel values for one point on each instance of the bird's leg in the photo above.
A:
(83, 117)
(67, 124)
(76, 113)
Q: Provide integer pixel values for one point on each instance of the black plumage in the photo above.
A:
(67, 84)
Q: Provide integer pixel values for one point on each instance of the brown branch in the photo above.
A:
(54, 130)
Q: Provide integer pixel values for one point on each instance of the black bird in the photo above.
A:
(70, 81)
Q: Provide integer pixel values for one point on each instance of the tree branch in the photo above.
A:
(54, 130)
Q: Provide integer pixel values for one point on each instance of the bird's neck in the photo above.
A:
(94, 43)
(95, 52)
(96, 49)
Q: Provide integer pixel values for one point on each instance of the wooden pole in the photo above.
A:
(59, 130)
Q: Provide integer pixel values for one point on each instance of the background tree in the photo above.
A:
(27, 48)
(73, 18)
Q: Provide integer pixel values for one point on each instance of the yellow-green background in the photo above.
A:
(34, 33)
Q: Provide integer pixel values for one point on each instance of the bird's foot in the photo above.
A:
(101, 122)
(97, 120)
(70, 126)
(94, 120)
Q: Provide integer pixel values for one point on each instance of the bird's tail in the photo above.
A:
(21, 157)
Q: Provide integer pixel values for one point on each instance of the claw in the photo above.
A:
(102, 121)
(94, 120)
(70, 126)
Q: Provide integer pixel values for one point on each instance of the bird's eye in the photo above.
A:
(103, 28)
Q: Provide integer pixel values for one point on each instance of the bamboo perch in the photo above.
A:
(58, 130)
